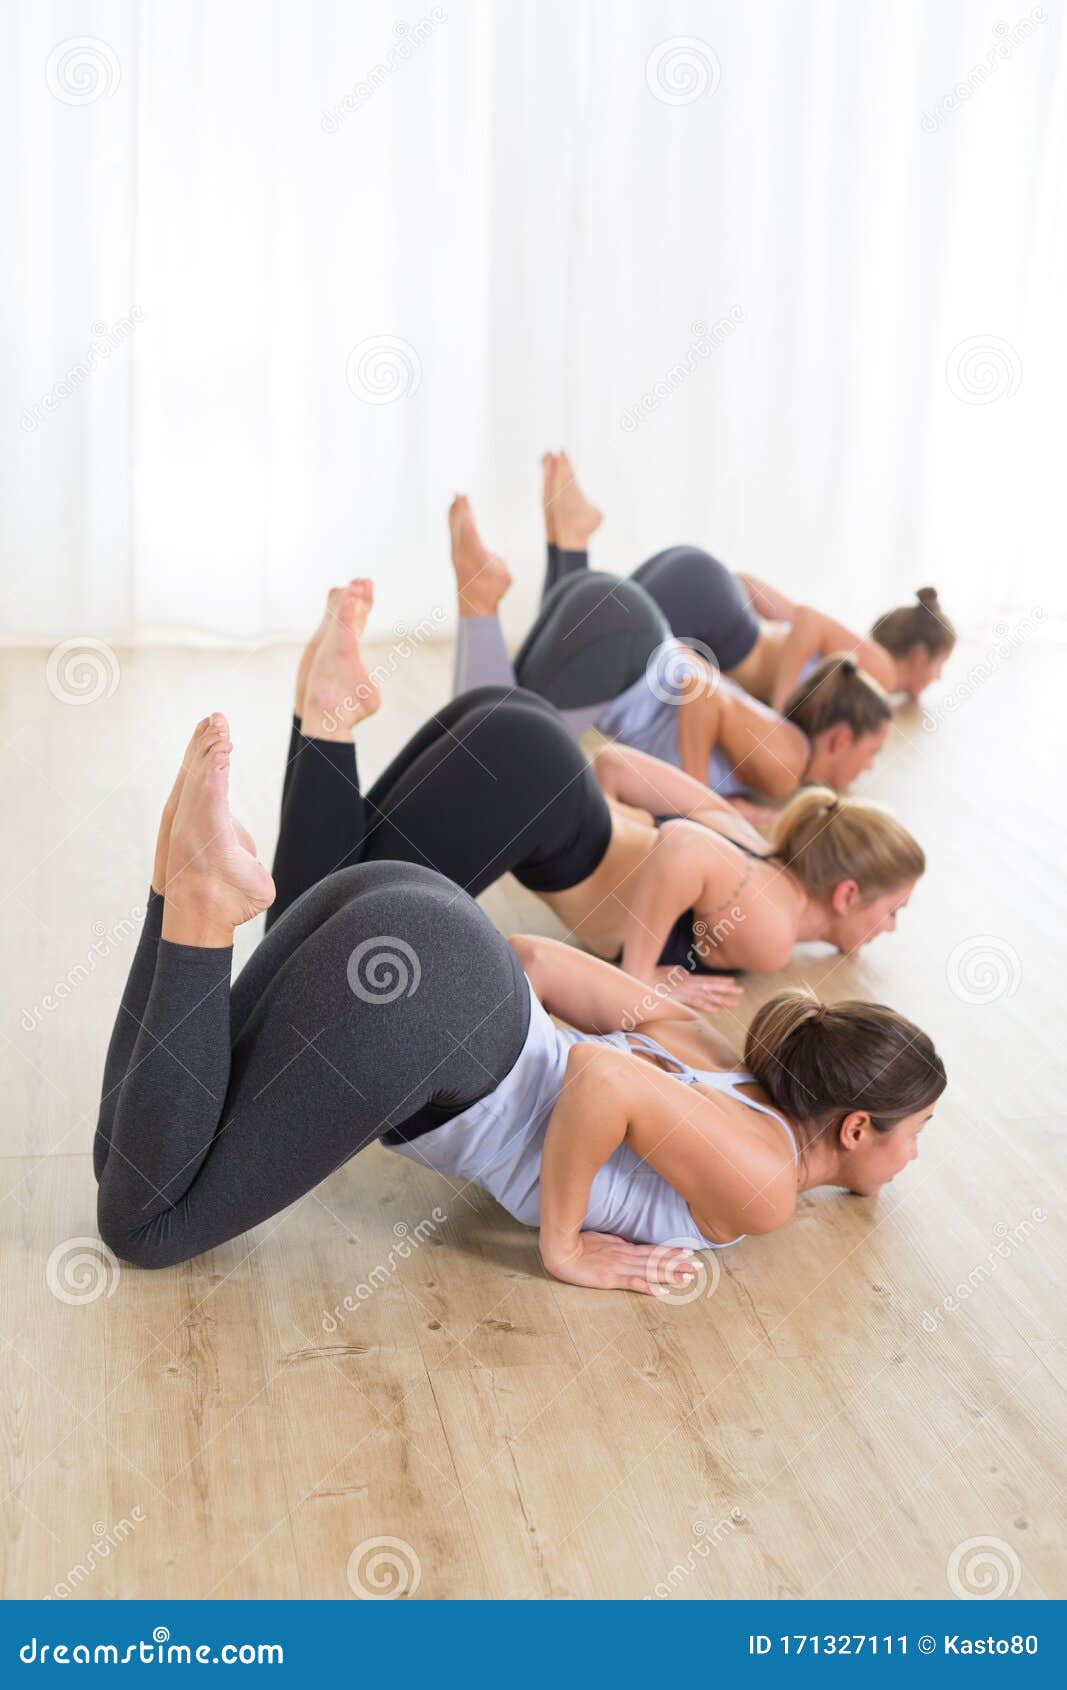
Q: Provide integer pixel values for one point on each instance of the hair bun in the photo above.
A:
(849, 666)
(928, 596)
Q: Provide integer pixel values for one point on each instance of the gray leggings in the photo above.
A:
(382, 1000)
(592, 638)
(595, 632)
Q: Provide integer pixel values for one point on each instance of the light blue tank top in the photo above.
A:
(497, 1144)
(646, 714)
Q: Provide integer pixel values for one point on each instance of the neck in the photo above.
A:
(815, 922)
(820, 1163)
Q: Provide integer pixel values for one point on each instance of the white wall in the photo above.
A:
(519, 204)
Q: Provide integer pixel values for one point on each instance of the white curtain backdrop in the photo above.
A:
(788, 277)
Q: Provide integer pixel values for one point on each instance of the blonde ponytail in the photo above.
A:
(820, 1061)
(824, 839)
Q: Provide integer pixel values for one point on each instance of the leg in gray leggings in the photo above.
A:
(591, 640)
(382, 994)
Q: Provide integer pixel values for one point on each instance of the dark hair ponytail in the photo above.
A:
(818, 1062)
(838, 693)
(921, 624)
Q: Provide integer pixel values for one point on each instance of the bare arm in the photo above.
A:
(815, 635)
(766, 600)
(610, 1099)
(634, 778)
(682, 873)
(587, 993)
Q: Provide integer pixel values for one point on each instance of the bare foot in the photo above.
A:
(340, 689)
(577, 518)
(548, 476)
(214, 882)
(166, 820)
(307, 656)
(482, 578)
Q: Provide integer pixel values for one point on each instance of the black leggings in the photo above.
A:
(696, 596)
(492, 784)
(384, 994)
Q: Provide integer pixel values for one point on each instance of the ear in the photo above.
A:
(844, 897)
(840, 739)
(853, 1129)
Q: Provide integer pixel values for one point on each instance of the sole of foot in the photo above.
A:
(214, 880)
(482, 578)
(340, 691)
(576, 517)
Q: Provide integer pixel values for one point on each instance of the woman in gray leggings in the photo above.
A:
(383, 1005)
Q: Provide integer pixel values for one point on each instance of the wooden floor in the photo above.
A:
(854, 1401)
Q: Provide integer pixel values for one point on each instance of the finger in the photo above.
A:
(642, 1285)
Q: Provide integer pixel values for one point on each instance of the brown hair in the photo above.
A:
(838, 693)
(818, 1062)
(923, 623)
(824, 839)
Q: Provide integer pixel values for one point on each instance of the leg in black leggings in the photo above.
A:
(382, 994)
(492, 784)
(591, 640)
(559, 564)
(702, 600)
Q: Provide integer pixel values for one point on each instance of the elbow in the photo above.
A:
(530, 950)
(608, 763)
